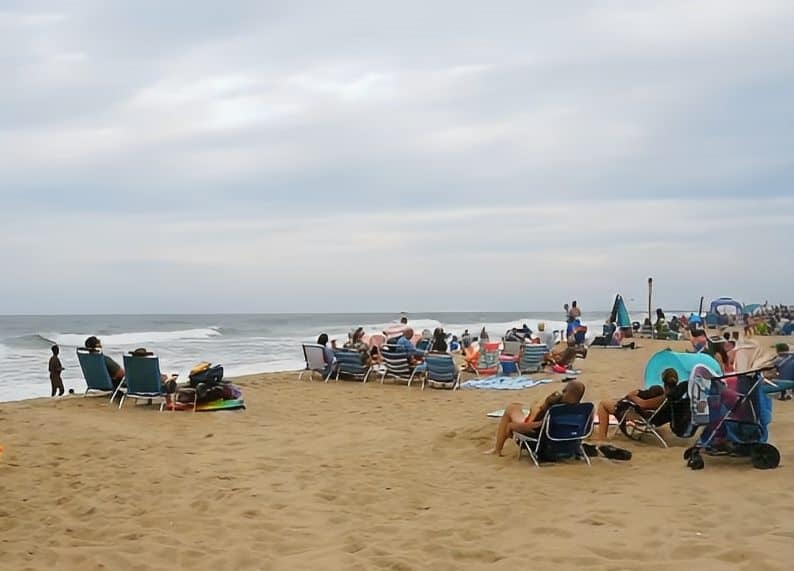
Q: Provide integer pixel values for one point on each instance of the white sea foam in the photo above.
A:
(133, 338)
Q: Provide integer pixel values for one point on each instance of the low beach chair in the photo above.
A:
(488, 359)
(511, 355)
(97, 378)
(397, 366)
(143, 379)
(561, 435)
(349, 363)
(532, 358)
(440, 370)
(636, 422)
(314, 355)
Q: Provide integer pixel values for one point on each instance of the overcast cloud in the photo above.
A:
(192, 156)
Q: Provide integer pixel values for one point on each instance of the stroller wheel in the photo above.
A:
(695, 461)
(765, 456)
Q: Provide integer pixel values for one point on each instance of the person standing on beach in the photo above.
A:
(55, 372)
(574, 312)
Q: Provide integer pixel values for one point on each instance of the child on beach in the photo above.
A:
(55, 372)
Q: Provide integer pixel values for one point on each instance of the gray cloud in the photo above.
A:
(608, 136)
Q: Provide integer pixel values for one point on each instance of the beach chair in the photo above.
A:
(488, 359)
(397, 366)
(532, 358)
(97, 378)
(143, 380)
(564, 429)
(511, 354)
(636, 422)
(349, 363)
(314, 355)
(440, 369)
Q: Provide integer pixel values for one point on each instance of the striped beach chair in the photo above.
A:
(488, 360)
(397, 366)
(440, 372)
(348, 363)
(532, 358)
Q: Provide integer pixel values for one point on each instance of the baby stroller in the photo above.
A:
(735, 412)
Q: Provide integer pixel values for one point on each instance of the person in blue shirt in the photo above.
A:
(405, 345)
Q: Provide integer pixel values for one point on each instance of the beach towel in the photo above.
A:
(504, 383)
(501, 411)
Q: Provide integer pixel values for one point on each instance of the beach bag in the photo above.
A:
(210, 376)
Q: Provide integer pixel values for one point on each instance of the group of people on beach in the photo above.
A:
(402, 338)
(515, 420)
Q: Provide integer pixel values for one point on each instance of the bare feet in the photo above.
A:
(493, 452)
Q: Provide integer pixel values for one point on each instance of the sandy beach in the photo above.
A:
(350, 476)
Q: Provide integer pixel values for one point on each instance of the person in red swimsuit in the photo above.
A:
(514, 420)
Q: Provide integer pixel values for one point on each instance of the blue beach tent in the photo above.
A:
(683, 363)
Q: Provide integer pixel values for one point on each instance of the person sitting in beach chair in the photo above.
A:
(328, 354)
(439, 342)
(561, 355)
(356, 343)
(404, 344)
(114, 369)
(649, 399)
(515, 420)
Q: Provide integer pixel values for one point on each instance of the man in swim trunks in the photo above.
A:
(514, 420)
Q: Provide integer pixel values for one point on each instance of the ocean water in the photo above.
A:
(243, 344)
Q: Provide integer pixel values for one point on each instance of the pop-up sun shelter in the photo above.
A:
(683, 363)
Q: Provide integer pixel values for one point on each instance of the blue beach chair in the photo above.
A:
(349, 363)
(143, 379)
(440, 370)
(397, 366)
(97, 378)
(561, 435)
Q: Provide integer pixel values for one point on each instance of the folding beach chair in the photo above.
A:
(143, 379)
(397, 366)
(636, 422)
(97, 378)
(532, 358)
(561, 435)
(440, 371)
(511, 354)
(314, 355)
(349, 363)
(488, 360)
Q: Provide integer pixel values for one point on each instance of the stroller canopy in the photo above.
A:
(726, 305)
(683, 363)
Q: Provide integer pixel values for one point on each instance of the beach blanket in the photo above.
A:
(504, 383)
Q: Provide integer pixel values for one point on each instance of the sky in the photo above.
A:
(204, 157)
